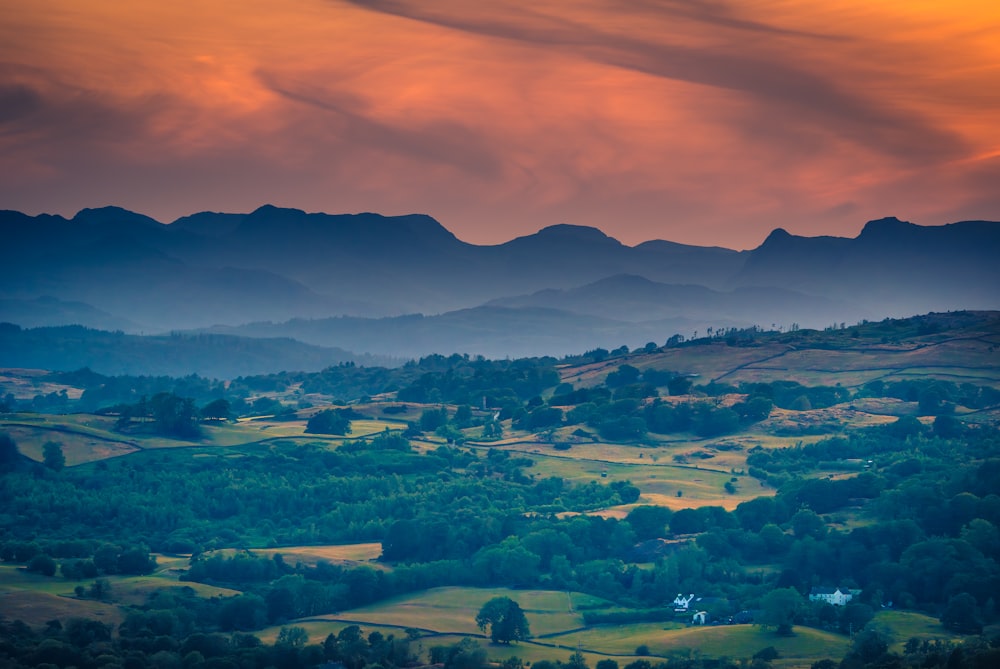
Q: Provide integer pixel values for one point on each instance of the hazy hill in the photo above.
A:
(892, 267)
(219, 356)
(277, 265)
(636, 299)
(309, 265)
(492, 331)
(47, 311)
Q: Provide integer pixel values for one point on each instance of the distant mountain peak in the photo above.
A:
(885, 227)
(268, 210)
(626, 280)
(575, 232)
(113, 215)
(777, 235)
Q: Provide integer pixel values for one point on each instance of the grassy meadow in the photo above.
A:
(36, 599)
(452, 610)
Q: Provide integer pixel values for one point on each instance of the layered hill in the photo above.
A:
(358, 281)
(214, 356)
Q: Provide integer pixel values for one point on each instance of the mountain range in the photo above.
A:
(406, 286)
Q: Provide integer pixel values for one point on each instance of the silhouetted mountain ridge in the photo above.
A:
(278, 264)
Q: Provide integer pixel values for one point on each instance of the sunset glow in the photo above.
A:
(701, 122)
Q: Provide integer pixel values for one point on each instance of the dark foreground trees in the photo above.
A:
(505, 619)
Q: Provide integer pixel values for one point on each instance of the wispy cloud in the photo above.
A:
(707, 121)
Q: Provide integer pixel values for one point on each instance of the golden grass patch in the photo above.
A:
(331, 553)
(37, 608)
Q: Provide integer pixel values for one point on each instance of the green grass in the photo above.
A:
(736, 641)
(332, 553)
(453, 610)
(36, 599)
(80, 442)
(14, 578)
(312, 555)
(906, 625)
(88, 438)
(699, 483)
(57, 593)
(35, 608)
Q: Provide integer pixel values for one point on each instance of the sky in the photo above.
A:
(706, 122)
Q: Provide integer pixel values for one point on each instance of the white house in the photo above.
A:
(681, 603)
(835, 596)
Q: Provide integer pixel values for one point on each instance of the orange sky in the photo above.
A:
(700, 121)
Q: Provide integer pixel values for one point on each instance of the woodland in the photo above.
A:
(903, 511)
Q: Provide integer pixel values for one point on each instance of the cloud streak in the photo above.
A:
(704, 121)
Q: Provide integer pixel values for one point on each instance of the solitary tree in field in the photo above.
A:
(779, 610)
(217, 410)
(505, 619)
(329, 421)
(52, 455)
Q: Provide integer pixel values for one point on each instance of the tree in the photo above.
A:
(961, 615)
(807, 523)
(466, 654)
(492, 429)
(42, 564)
(294, 637)
(174, 416)
(329, 422)
(100, 589)
(679, 385)
(219, 410)
(505, 619)
(779, 609)
(9, 454)
(755, 409)
(713, 422)
(432, 419)
(52, 455)
(649, 522)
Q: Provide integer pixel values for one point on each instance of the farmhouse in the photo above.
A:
(681, 603)
(835, 596)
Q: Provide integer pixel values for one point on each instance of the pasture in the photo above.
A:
(736, 641)
(312, 555)
(452, 610)
(88, 438)
(906, 625)
(78, 446)
(658, 481)
(36, 599)
(816, 358)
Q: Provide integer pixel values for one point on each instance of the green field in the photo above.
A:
(445, 615)
(366, 553)
(659, 482)
(88, 438)
(737, 641)
(907, 625)
(819, 358)
(453, 610)
(36, 599)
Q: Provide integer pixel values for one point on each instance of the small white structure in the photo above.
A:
(835, 596)
(699, 618)
(681, 603)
